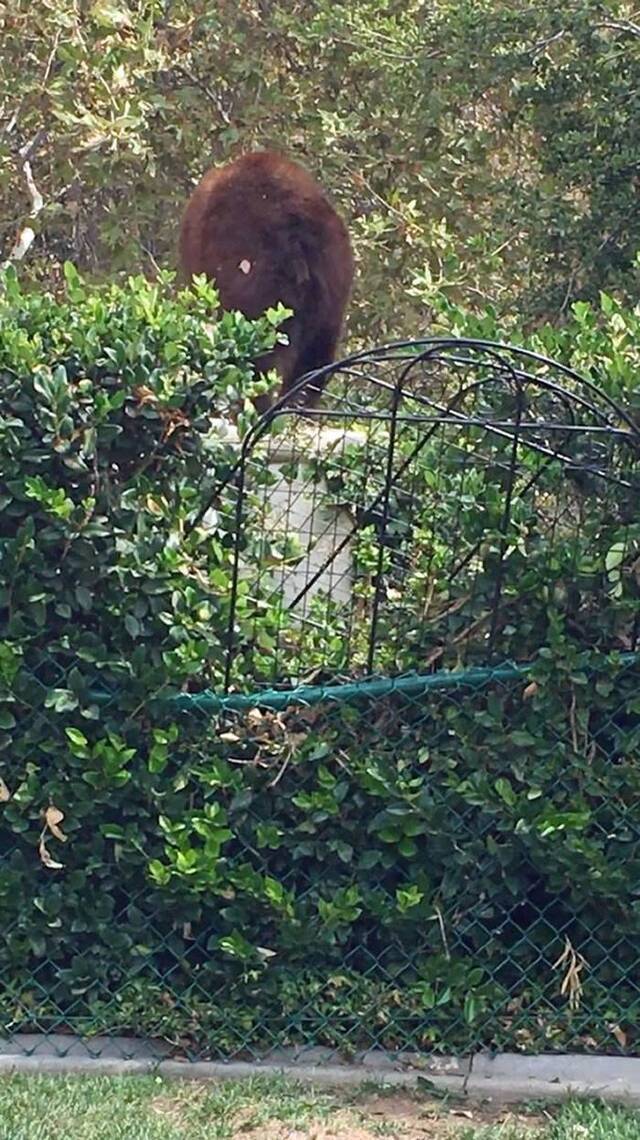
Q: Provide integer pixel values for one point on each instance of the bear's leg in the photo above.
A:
(319, 352)
(284, 359)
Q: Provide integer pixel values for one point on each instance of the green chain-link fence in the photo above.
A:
(400, 812)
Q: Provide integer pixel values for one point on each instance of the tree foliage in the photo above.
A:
(491, 145)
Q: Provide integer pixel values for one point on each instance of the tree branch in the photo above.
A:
(213, 96)
(620, 26)
(26, 235)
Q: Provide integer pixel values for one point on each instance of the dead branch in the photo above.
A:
(26, 235)
(459, 638)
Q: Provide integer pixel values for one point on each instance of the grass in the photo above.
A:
(130, 1108)
(596, 1122)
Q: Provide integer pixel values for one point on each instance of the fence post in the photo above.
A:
(323, 560)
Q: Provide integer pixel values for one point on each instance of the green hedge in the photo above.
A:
(455, 870)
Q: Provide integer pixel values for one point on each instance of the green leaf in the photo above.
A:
(77, 738)
(7, 720)
(615, 556)
(84, 598)
(505, 791)
(132, 625)
(61, 700)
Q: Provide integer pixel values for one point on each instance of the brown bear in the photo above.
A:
(262, 229)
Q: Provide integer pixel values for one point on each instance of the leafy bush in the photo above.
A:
(439, 872)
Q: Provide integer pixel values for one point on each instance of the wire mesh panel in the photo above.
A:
(460, 475)
(393, 805)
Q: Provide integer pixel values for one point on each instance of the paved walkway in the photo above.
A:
(503, 1078)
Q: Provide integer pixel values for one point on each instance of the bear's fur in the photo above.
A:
(262, 229)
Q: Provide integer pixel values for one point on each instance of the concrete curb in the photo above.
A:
(505, 1078)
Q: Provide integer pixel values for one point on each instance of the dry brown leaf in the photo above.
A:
(310, 714)
(5, 794)
(295, 740)
(619, 1035)
(574, 963)
(45, 857)
(145, 395)
(53, 818)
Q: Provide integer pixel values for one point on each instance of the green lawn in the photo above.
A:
(151, 1109)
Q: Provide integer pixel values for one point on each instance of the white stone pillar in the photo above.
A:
(295, 509)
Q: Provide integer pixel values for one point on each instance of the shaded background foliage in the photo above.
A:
(491, 146)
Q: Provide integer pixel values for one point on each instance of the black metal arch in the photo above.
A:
(519, 401)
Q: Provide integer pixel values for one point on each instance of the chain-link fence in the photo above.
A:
(405, 815)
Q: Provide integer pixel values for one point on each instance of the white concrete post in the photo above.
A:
(295, 510)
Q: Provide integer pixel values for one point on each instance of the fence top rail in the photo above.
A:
(376, 688)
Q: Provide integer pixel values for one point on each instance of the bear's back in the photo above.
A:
(264, 231)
